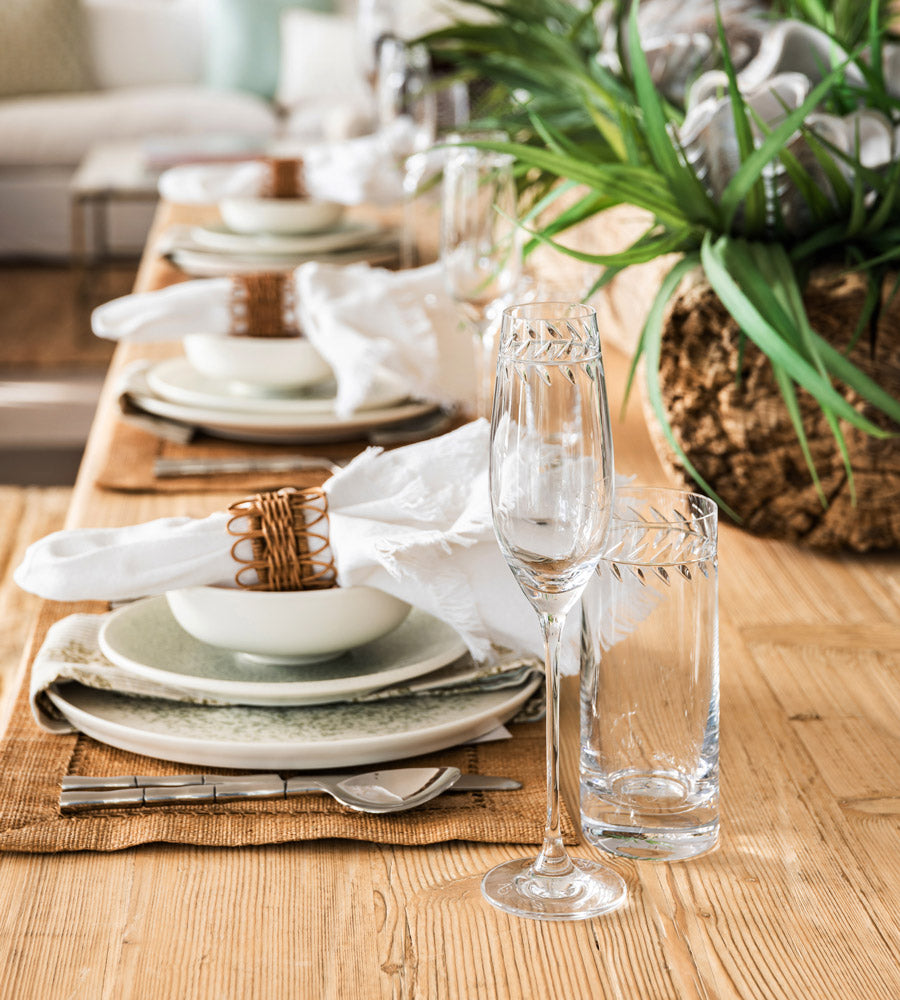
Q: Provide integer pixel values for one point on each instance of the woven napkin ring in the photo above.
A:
(263, 305)
(288, 533)
(284, 179)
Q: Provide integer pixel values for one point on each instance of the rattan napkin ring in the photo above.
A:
(263, 305)
(284, 178)
(288, 533)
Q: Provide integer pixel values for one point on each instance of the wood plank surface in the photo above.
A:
(27, 513)
(799, 901)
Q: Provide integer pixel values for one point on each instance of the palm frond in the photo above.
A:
(578, 120)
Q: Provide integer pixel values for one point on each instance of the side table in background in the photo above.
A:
(111, 172)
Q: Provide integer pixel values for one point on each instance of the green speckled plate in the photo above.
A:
(320, 736)
(144, 640)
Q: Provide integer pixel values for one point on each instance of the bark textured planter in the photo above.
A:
(740, 438)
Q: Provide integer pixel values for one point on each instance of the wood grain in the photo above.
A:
(29, 513)
(799, 902)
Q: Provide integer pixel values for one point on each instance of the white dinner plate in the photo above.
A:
(289, 738)
(345, 235)
(179, 382)
(200, 262)
(306, 428)
(144, 639)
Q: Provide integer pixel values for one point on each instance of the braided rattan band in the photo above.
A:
(262, 305)
(284, 179)
(288, 532)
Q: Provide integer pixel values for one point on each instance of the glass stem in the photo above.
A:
(482, 401)
(487, 331)
(408, 228)
(553, 859)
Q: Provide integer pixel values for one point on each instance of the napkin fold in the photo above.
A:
(363, 170)
(370, 324)
(71, 652)
(170, 313)
(414, 522)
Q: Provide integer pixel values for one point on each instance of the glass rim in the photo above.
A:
(550, 310)
(699, 498)
(464, 156)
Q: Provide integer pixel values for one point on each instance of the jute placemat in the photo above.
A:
(133, 452)
(33, 764)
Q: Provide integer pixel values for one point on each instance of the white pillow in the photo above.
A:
(412, 18)
(140, 43)
(318, 59)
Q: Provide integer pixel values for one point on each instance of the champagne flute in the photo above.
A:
(551, 474)
(481, 250)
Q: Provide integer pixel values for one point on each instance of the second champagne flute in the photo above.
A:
(551, 475)
(480, 248)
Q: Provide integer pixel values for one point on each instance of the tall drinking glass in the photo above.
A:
(481, 252)
(375, 21)
(551, 475)
(406, 106)
(650, 679)
(404, 93)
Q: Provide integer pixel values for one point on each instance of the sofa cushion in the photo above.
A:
(141, 43)
(318, 59)
(44, 47)
(242, 42)
(58, 130)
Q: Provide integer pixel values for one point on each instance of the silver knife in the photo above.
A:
(137, 790)
(171, 468)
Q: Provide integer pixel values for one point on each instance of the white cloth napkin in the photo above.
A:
(201, 306)
(358, 171)
(370, 324)
(414, 522)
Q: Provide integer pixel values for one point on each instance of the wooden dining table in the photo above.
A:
(799, 901)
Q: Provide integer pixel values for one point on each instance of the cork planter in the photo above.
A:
(739, 436)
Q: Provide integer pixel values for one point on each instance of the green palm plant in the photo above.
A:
(847, 21)
(574, 121)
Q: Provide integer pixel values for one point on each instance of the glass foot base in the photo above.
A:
(589, 891)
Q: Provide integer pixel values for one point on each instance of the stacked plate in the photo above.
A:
(224, 407)
(269, 234)
(410, 691)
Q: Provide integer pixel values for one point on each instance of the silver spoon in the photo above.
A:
(381, 791)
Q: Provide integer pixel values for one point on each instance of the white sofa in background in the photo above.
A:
(147, 64)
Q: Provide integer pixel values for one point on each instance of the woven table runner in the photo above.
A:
(33, 763)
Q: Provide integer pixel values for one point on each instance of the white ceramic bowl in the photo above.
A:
(287, 627)
(294, 216)
(257, 364)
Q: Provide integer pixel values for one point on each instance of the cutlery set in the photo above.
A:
(405, 433)
(384, 791)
